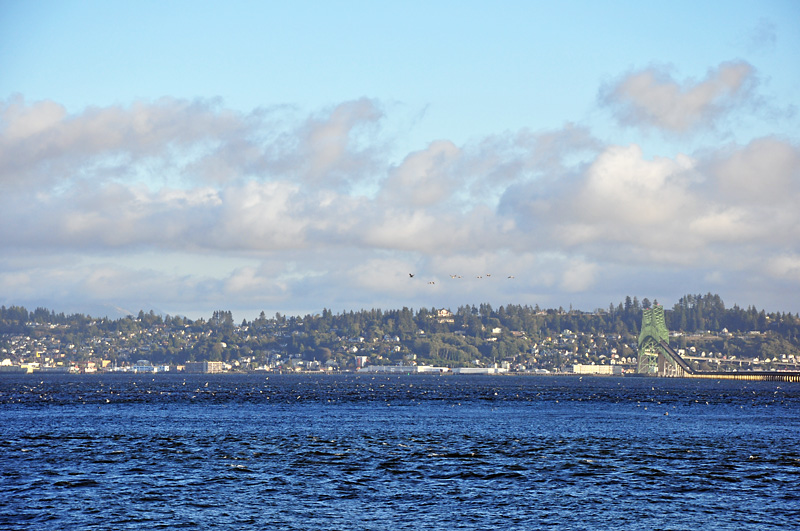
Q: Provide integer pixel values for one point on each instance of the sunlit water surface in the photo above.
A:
(350, 452)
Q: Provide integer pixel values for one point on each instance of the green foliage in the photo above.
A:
(464, 338)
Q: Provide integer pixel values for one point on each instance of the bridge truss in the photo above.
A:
(654, 358)
(657, 358)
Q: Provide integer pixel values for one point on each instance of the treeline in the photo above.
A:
(691, 313)
(698, 312)
(458, 338)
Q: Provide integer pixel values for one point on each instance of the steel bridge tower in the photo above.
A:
(657, 358)
(652, 361)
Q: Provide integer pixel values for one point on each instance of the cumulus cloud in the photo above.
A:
(523, 214)
(651, 98)
(625, 207)
(620, 198)
(766, 172)
(183, 141)
(42, 145)
(424, 177)
(331, 146)
(785, 266)
(578, 276)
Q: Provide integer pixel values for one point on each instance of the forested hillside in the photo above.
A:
(469, 335)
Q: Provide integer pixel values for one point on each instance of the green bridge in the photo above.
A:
(657, 358)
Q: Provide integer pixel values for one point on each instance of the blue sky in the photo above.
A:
(193, 156)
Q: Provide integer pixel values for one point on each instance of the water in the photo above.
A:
(370, 452)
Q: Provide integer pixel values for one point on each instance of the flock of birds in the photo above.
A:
(510, 277)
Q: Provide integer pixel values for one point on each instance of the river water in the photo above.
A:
(364, 452)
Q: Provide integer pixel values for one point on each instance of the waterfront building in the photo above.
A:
(143, 366)
(479, 370)
(405, 369)
(205, 367)
(597, 369)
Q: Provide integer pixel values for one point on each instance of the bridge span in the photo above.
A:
(685, 370)
(658, 358)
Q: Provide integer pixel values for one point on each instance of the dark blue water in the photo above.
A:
(397, 452)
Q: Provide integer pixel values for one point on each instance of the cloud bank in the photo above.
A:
(186, 206)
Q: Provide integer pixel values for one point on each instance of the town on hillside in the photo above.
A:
(509, 339)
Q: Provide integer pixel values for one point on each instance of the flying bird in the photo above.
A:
(411, 275)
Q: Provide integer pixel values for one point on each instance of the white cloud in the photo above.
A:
(260, 216)
(652, 98)
(331, 145)
(181, 142)
(766, 171)
(43, 145)
(785, 266)
(579, 276)
(622, 187)
(274, 197)
(668, 211)
(424, 177)
(21, 121)
(728, 225)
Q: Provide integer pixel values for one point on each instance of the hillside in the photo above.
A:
(522, 338)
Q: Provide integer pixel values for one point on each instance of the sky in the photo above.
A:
(192, 156)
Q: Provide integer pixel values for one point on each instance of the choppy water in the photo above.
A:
(397, 452)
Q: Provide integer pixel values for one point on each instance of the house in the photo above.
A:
(445, 316)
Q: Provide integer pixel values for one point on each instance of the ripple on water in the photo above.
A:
(396, 453)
